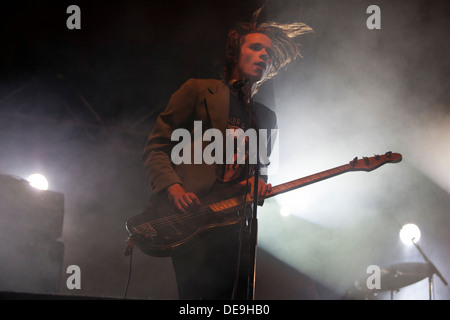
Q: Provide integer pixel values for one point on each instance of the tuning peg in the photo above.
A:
(366, 160)
(377, 156)
(354, 162)
(389, 154)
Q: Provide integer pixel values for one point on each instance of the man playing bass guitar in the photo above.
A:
(255, 52)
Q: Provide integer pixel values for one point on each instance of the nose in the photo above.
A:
(264, 55)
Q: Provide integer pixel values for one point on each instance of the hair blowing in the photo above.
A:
(282, 36)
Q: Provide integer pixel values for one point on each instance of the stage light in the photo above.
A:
(38, 181)
(409, 233)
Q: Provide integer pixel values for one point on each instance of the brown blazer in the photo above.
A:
(206, 100)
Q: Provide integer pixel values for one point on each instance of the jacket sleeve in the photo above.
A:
(179, 113)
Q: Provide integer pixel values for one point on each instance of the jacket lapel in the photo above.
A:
(218, 106)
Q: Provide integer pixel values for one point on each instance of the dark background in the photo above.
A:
(77, 106)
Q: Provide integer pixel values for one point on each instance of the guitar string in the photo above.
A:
(177, 218)
(169, 220)
(180, 218)
(189, 215)
(166, 221)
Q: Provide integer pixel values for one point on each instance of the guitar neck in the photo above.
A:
(295, 184)
(365, 164)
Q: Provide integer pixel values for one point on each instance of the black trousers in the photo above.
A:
(208, 270)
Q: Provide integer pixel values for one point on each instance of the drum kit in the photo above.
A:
(395, 277)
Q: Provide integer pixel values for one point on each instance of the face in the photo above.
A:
(256, 57)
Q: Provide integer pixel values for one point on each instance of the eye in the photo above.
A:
(256, 47)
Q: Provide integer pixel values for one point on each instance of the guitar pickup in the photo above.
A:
(223, 205)
(145, 229)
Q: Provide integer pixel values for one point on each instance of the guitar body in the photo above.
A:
(161, 230)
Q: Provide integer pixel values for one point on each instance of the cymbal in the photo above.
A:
(401, 275)
(392, 278)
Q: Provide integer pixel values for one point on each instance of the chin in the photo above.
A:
(255, 78)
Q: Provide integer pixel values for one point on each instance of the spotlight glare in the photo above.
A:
(38, 181)
(409, 233)
(285, 211)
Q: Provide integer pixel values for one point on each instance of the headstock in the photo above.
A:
(369, 164)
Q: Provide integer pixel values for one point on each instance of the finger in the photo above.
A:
(185, 204)
(195, 199)
(179, 206)
(252, 191)
(262, 190)
(187, 199)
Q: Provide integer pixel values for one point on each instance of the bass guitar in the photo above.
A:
(161, 230)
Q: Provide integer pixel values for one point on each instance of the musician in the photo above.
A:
(255, 52)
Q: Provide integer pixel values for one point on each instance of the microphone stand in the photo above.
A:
(250, 221)
(253, 229)
(433, 270)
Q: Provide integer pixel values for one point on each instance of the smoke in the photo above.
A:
(361, 92)
(356, 92)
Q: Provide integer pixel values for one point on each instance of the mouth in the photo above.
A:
(261, 65)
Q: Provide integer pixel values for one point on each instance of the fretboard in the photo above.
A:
(295, 184)
(281, 188)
